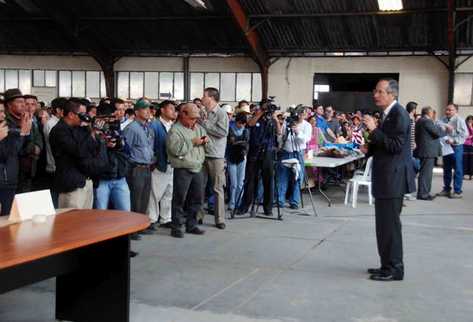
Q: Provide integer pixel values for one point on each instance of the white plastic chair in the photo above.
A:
(360, 180)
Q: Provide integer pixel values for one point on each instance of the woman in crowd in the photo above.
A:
(357, 131)
(238, 138)
(468, 149)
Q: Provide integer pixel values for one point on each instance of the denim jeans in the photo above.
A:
(285, 174)
(116, 191)
(236, 172)
(453, 162)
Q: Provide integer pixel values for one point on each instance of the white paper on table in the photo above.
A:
(26, 205)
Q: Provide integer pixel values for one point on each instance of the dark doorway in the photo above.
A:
(347, 92)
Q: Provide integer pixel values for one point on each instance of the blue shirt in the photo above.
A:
(140, 140)
(322, 123)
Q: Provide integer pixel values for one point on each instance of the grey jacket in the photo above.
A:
(427, 136)
(460, 131)
(216, 126)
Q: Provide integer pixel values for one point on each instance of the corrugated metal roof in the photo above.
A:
(128, 27)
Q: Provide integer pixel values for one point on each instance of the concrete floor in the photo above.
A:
(302, 269)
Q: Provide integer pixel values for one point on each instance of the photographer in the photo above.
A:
(12, 139)
(264, 128)
(297, 133)
(112, 186)
(79, 156)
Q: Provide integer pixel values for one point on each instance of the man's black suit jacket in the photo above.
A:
(393, 171)
(428, 139)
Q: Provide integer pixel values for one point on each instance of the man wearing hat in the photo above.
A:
(140, 138)
(185, 146)
(10, 146)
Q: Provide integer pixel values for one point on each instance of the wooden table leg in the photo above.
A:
(99, 290)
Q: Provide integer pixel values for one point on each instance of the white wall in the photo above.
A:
(421, 79)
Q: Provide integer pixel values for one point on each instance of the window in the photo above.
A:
(463, 88)
(152, 84)
(179, 86)
(197, 85)
(11, 78)
(212, 80)
(103, 89)
(92, 84)
(2, 80)
(24, 83)
(243, 87)
(227, 89)
(166, 81)
(50, 78)
(38, 78)
(256, 91)
(78, 83)
(123, 85)
(136, 85)
(65, 83)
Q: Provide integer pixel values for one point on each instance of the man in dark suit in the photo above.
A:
(392, 177)
(427, 149)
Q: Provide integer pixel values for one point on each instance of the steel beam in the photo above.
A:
(258, 52)
(452, 50)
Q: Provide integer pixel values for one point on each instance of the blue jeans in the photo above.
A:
(236, 172)
(454, 162)
(115, 191)
(284, 176)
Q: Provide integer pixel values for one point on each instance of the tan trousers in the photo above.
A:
(215, 170)
(81, 198)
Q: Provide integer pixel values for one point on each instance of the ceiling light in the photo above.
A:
(198, 4)
(390, 5)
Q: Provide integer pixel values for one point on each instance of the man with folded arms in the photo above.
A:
(185, 145)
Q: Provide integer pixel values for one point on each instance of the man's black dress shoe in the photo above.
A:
(150, 230)
(374, 271)
(166, 225)
(177, 233)
(386, 277)
(220, 225)
(132, 254)
(426, 198)
(195, 231)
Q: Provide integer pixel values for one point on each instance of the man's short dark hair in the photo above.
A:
(166, 103)
(454, 105)
(240, 103)
(90, 107)
(29, 96)
(130, 111)
(72, 106)
(58, 103)
(426, 110)
(213, 92)
(241, 118)
(117, 101)
(195, 100)
(411, 106)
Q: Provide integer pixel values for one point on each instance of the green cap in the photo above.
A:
(141, 104)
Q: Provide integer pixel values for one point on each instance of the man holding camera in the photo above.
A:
(79, 156)
(297, 132)
(13, 136)
(112, 186)
(185, 146)
(264, 129)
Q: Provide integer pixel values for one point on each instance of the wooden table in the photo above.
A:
(87, 251)
(326, 162)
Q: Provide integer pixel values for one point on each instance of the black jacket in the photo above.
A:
(237, 146)
(9, 163)
(78, 156)
(393, 173)
(428, 139)
(118, 165)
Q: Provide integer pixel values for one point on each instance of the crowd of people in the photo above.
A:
(165, 159)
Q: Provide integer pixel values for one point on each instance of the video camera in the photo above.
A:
(107, 126)
(294, 115)
(268, 107)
